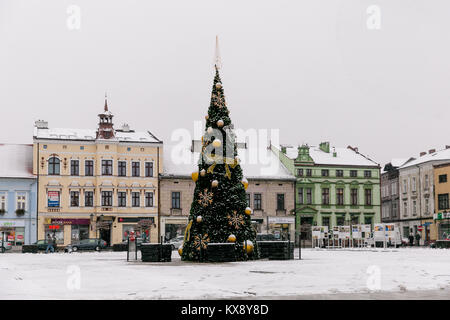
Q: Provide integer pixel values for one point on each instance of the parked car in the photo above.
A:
(265, 237)
(5, 245)
(176, 242)
(87, 244)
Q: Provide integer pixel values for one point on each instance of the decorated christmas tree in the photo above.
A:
(219, 212)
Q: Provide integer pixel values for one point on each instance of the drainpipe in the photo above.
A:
(37, 195)
(420, 200)
(159, 196)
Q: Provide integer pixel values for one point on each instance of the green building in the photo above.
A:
(334, 187)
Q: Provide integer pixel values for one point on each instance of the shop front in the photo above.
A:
(141, 227)
(283, 228)
(67, 231)
(172, 227)
(13, 231)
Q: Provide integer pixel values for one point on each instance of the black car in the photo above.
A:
(87, 244)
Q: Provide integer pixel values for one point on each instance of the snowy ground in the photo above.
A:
(320, 274)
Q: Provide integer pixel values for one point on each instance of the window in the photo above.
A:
(257, 201)
(325, 196)
(122, 199)
(3, 201)
(405, 209)
(107, 167)
(368, 220)
(135, 169)
(355, 219)
(443, 201)
(340, 196)
(414, 208)
(367, 174)
(368, 197)
(325, 173)
(135, 199)
(326, 221)
(308, 195)
(280, 201)
(149, 199)
(248, 199)
(426, 182)
(176, 200)
(21, 200)
(353, 173)
(106, 197)
(74, 198)
(74, 167)
(354, 196)
(300, 172)
(149, 169)
(53, 166)
(308, 172)
(89, 199)
(394, 189)
(122, 168)
(300, 196)
(89, 168)
(427, 206)
(339, 173)
(442, 178)
(413, 184)
(340, 220)
(405, 186)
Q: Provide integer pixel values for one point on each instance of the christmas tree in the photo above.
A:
(219, 211)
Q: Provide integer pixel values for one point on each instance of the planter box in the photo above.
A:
(119, 247)
(442, 244)
(155, 252)
(276, 250)
(220, 252)
(29, 248)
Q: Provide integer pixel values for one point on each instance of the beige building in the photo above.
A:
(96, 183)
(270, 192)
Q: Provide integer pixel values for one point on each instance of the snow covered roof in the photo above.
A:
(258, 163)
(90, 134)
(16, 161)
(396, 163)
(344, 156)
(443, 154)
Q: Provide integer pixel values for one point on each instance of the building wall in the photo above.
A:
(9, 219)
(65, 183)
(442, 226)
(390, 204)
(268, 219)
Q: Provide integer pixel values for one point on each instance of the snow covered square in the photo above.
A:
(322, 273)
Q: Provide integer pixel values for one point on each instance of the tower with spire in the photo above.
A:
(105, 126)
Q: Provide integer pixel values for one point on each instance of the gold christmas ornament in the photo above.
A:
(249, 247)
(231, 238)
(245, 183)
(205, 198)
(214, 183)
(206, 117)
(199, 219)
(218, 85)
(180, 250)
(237, 160)
(248, 211)
(209, 130)
(220, 123)
(217, 143)
(194, 176)
(202, 172)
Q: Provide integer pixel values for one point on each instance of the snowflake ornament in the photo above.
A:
(205, 198)
(201, 242)
(235, 219)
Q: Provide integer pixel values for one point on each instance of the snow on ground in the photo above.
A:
(107, 275)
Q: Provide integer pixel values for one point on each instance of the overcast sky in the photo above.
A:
(317, 70)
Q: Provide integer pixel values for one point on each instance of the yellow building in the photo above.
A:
(96, 183)
(442, 192)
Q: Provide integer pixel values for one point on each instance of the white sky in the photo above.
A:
(310, 68)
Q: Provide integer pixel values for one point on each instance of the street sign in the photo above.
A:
(420, 228)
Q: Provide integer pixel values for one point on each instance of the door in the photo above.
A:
(105, 234)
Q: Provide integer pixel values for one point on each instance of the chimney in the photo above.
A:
(41, 124)
(447, 146)
(423, 153)
(334, 152)
(125, 127)
(325, 146)
(283, 149)
(431, 151)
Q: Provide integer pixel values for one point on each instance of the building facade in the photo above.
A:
(17, 194)
(270, 192)
(390, 196)
(334, 187)
(96, 183)
(441, 200)
(417, 204)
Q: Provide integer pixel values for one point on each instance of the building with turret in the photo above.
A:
(96, 183)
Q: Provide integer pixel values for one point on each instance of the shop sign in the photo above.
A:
(12, 223)
(281, 219)
(53, 198)
(257, 220)
(441, 215)
(70, 221)
(121, 219)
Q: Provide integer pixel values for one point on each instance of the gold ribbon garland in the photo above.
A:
(187, 231)
(229, 162)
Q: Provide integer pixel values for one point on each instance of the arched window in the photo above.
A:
(53, 166)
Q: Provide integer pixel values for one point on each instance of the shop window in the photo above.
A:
(79, 232)
(58, 233)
